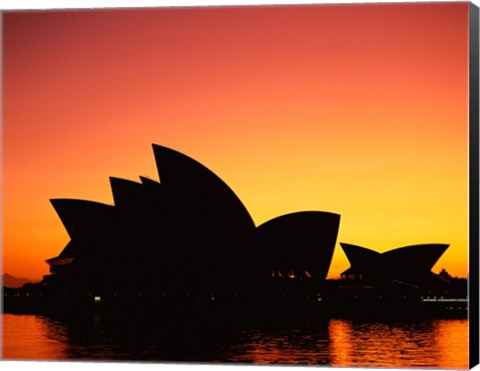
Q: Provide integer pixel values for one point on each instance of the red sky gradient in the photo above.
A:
(360, 110)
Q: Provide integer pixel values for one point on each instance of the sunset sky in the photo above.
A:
(358, 110)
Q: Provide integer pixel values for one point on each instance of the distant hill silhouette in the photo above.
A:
(14, 282)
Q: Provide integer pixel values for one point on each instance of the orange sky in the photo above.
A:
(359, 110)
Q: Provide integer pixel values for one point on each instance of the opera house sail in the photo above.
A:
(405, 273)
(297, 245)
(409, 264)
(186, 235)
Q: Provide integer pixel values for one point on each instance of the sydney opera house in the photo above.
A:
(188, 239)
(188, 234)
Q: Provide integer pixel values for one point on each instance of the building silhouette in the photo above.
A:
(298, 245)
(188, 234)
(406, 267)
(187, 244)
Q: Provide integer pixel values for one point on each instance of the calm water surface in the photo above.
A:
(336, 342)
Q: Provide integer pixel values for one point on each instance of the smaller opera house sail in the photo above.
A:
(410, 265)
(187, 233)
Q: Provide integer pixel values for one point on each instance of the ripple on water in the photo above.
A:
(336, 342)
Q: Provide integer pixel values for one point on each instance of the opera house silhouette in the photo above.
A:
(187, 235)
(409, 265)
(187, 243)
(398, 281)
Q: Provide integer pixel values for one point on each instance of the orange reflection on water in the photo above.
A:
(439, 344)
(451, 338)
(340, 346)
(32, 337)
(337, 342)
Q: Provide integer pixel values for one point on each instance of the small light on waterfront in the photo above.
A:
(97, 299)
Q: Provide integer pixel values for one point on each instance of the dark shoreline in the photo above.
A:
(354, 307)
